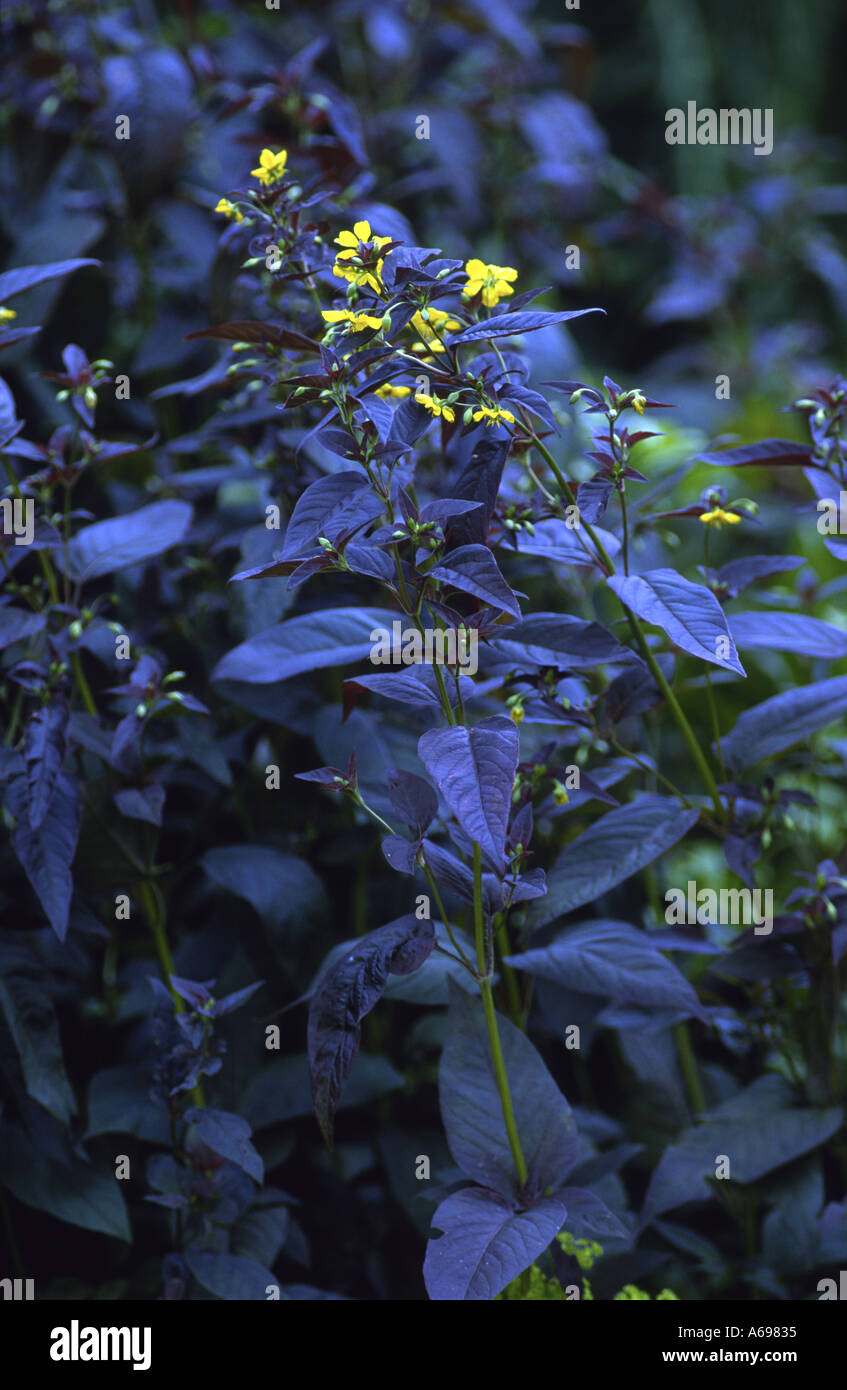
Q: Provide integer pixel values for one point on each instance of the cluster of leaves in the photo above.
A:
(387, 404)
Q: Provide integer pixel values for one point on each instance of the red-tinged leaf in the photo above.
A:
(253, 331)
(782, 452)
(10, 336)
(505, 325)
(13, 282)
(346, 994)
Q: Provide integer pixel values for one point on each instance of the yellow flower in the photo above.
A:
(389, 392)
(491, 280)
(228, 210)
(356, 321)
(718, 517)
(638, 403)
(492, 415)
(436, 323)
(436, 408)
(349, 261)
(7, 314)
(560, 795)
(517, 714)
(271, 167)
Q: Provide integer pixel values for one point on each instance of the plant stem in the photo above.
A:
(688, 1063)
(154, 910)
(491, 1022)
(510, 978)
(82, 684)
(682, 723)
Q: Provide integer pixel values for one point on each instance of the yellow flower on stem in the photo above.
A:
(492, 416)
(7, 314)
(229, 210)
(354, 261)
(492, 281)
(436, 408)
(431, 328)
(718, 517)
(271, 167)
(357, 322)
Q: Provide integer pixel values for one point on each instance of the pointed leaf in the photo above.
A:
(112, 545)
(612, 959)
(612, 849)
(471, 1111)
(330, 637)
(486, 1243)
(346, 994)
(472, 569)
(689, 613)
(474, 769)
(783, 720)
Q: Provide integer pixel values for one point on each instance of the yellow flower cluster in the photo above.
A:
(718, 517)
(431, 329)
(436, 408)
(271, 167)
(355, 321)
(348, 261)
(229, 210)
(7, 314)
(389, 392)
(492, 281)
(493, 415)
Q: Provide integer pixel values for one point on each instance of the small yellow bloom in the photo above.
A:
(492, 416)
(719, 518)
(492, 281)
(388, 392)
(228, 210)
(436, 408)
(7, 314)
(638, 403)
(356, 321)
(517, 714)
(560, 795)
(271, 167)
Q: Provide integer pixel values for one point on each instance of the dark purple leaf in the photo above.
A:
(473, 570)
(46, 854)
(486, 1243)
(44, 747)
(474, 769)
(783, 720)
(505, 325)
(412, 798)
(14, 282)
(346, 994)
(471, 1111)
(689, 614)
(767, 451)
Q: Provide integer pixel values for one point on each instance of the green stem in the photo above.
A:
(491, 1022)
(510, 978)
(676, 710)
(82, 684)
(445, 919)
(154, 910)
(688, 1063)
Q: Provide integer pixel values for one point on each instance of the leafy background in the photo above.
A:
(547, 130)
